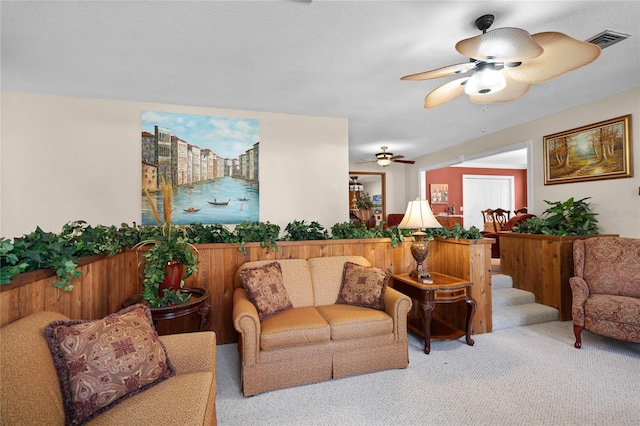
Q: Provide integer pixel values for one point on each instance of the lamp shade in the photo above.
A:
(419, 216)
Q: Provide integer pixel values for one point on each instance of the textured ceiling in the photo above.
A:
(325, 58)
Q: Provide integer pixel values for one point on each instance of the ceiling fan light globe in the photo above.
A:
(484, 81)
(384, 162)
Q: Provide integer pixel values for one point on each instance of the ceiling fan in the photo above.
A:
(385, 158)
(504, 62)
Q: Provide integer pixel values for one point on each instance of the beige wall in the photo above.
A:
(616, 201)
(66, 158)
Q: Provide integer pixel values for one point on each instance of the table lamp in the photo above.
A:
(419, 216)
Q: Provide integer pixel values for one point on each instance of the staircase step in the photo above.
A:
(501, 281)
(511, 296)
(519, 315)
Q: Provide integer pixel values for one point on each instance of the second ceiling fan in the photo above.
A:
(504, 62)
(385, 158)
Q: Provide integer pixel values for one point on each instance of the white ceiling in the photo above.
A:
(325, 58)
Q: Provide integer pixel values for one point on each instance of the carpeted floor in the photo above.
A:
(529, 375)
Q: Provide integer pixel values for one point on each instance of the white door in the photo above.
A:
(481, 192)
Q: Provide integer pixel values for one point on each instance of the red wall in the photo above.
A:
(453, 177)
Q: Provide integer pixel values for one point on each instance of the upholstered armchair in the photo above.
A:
(606, 288)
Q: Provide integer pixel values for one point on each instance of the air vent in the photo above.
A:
(607, 38)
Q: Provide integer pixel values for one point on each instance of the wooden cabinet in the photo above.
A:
(449, 221)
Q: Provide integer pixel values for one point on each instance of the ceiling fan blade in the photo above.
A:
(561, 55)
(404, 161)
(395, 157)
(503, 44)
(513, 91)
(441, 72)
(366, 161)
(445, 93)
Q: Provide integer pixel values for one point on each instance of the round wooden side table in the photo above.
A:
(198, 304)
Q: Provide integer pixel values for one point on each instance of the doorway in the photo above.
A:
(481, 192)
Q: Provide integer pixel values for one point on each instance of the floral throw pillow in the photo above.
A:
(100, 363)
(266, 289)
(363, 286)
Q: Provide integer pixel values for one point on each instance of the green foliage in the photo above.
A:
(197, 233)
(396, 234)
(299, 230)
(563, 218)
(534, 225)
(170, 243)
(351, 231)
(456, 232)
(46, 250)
(10, 262)
(264, 232)
(60, 252)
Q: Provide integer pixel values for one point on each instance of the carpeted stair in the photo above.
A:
(513, 307)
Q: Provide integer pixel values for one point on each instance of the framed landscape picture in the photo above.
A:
(597, 151)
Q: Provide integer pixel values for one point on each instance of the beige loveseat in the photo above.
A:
(317, 339)
(30, 391)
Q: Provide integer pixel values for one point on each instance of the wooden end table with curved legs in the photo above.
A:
(198, 304)
(443, 289)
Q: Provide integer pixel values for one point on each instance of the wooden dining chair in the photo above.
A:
(500, 218)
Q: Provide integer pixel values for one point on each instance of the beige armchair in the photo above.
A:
(606, 288)
(30, 390)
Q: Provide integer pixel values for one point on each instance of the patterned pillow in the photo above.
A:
(100, 363)
(363, 286)
(266, 289)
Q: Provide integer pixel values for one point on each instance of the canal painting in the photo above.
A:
(598, 151)
(210, 162)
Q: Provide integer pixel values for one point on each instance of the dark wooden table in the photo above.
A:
(442, 290)
(198, 303)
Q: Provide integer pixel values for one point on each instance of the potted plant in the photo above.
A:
(572, 217)
(538, 253)
(169, 260)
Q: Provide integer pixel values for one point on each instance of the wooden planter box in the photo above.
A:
(541, 264)
(107, 281)
(469, 260)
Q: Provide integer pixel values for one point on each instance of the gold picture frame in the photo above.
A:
(439, 193)
(598, 151)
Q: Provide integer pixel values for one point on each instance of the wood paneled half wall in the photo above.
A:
(107, 281)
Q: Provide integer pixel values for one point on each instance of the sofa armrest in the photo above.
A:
(397, 305)
(580, 291)
(247, 323)
(191, 352)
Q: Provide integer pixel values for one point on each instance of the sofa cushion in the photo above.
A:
(363, 286)
(612, 265)
(28, 381)
(326, 273)
(618, 309)
(265, 289)
(179, 401)
(297, 326)
(296, 278)
(102, 362)
(349, 322)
